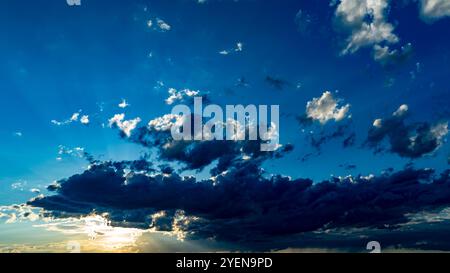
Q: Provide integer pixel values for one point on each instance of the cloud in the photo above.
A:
(123, 104)
(326, 108)
(163, 26)
(244, 203)
(432, 10)
(238, 48)
(73, 118)
(407, 140)
(84, 119)
(181, 95)
(386, 56)
(18, 213)
(76, 117)
(126, 126)
(366, 22)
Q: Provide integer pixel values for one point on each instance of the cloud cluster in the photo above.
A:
(366, 24)
(125, 126)
(386, 56)
(243, 202)
(84, 119)
(181, 96)
(406, 140)
(326, 108)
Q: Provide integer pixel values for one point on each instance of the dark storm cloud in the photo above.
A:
(407, 140)
(245, 203)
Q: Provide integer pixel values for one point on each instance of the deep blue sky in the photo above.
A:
(57, 60)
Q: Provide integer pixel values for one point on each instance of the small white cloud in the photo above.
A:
(123, 104)
(377, 123)
(18, 134)
(175, 95)
(401, 111)
(165, 122)
(238, 48)
(326, 108)
(35, 190)
(126, 126)
(163, 26)
(149, 23)
(84, 119)
(74, 118)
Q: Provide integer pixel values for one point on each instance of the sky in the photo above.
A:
(363, 92)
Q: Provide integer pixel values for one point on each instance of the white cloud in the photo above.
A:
(378, 123)
(166, 122)
(175, 95)
(431, 10)
(239, 46)
(65, 151)
(163, 25)
(74, 118)
(84, 119)
(401, 111)
(35, 190)
(326, 108)
(126, 126)
(366, 22)
(123, 104)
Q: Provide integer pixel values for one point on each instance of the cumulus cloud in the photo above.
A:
(407, 140)
(432, 10)
(367, 23)
(326, 108)
(126, 126)
(73, 118)
(84, 119)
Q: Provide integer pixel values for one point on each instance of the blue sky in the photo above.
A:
(58, 60)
